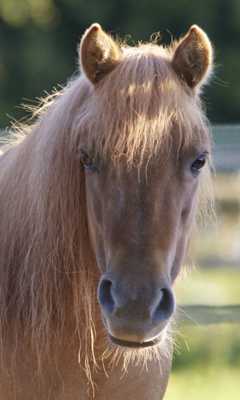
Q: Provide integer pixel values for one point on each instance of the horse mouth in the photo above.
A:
(135, 345)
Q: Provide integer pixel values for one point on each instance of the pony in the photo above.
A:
(99, 194)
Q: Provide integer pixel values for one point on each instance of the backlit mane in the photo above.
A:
(50, 266)
(147, 100)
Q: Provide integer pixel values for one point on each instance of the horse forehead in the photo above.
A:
(137, 186)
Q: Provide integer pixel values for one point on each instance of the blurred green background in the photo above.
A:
(38, 43)
(38, 51)
(207, 356)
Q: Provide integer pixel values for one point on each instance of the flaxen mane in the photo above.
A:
(46, 264)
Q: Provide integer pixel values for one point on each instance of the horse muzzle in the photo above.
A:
(135, 316)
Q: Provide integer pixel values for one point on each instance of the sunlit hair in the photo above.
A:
(48, 273)
(138, 105)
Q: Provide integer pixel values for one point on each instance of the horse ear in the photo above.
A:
(99, 54)
(193, 57)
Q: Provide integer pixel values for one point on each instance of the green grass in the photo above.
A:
(207, 358)
(207, 345)
(208, 383)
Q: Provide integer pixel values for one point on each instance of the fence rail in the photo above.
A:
(227, 147)
(198, 314)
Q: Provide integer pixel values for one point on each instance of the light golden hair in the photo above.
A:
(48, 272)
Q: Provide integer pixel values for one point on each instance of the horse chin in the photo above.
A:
(136, 345)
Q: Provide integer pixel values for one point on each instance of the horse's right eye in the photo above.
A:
(87, 162)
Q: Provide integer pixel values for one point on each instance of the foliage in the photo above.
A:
(38, 40)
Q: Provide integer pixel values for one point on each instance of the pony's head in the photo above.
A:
(143, 145)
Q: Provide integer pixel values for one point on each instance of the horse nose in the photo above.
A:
(105, 296)
(163, 305)
(157, 305)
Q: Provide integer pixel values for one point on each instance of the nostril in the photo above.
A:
(105, 296)
(165, 305)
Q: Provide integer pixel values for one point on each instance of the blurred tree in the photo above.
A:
(38, 41)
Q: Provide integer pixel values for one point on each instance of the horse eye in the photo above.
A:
(198, 164)
(87, 162)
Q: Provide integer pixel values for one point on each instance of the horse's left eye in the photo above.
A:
(198, 164)
(87, 162)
